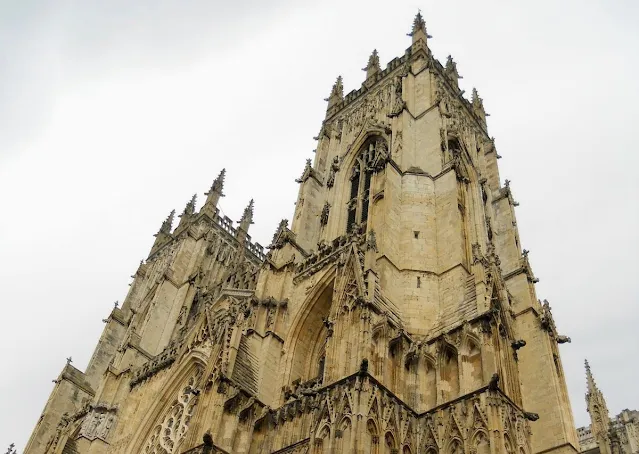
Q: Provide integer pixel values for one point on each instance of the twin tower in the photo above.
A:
(396, 313)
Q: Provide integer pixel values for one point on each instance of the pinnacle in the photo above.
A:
(247, 216)
(338, 87)
(589, 378)
(418, 31)
(218, 183)
(168, 223)
(450, 64)
(373, 63)
(418, 24)
(476, 100)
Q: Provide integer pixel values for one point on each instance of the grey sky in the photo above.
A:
(110, 116)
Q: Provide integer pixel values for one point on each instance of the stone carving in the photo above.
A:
(324, 215)
(399, 104)
(167, 434)
(98, 423)
(330, 181)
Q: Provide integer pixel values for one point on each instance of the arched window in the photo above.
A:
(372, 158)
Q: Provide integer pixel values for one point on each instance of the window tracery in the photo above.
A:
(166, 435)
(372, 158)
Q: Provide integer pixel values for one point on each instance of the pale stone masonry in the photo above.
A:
(619, 435)
(395, 313)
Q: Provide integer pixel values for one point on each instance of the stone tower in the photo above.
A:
(396, 314)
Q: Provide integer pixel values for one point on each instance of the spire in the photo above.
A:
(189, 210)
(592, 387)
(167, 224)
(419, 28)
(451, 71)
(214, 194)
(599, 417)
(247, 217)
(337, 93)
(190, 206)
(372, 67)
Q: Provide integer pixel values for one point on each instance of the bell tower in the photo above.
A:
(396, 313)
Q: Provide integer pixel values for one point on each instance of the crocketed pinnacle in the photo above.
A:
(168, 223)
(592, 386)
(372, 67)
(338, 88)
(476, 100)
(218, 183)
(247, 216)
(419, 28)
(451, 66)
(189, 209)
(337, 93)
(214, 194)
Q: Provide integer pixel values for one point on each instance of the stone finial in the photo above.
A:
(11, 449)
(478, 106)
(372, 67)
(282, 226)
(69, 360)
(451, 71)
(247, 217)
(476, 100)
(189, 210)
(590, 380)
(168, 223)
(337, 93)
(419, 28)
(190, 206)
(214, 194)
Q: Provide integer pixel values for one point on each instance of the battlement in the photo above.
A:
(353, 95)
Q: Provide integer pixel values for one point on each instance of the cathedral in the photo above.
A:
(396, 313)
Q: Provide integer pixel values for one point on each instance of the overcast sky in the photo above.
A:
(113, 113)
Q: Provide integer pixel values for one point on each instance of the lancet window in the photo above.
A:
(372, 158)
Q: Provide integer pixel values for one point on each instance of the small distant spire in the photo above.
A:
(168, 223)
(372, 67)
(590, 380)
(419, 28)
(337, 93)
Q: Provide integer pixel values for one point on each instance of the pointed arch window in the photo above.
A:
(372, 158)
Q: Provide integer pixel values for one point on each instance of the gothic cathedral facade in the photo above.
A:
(396, 313)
